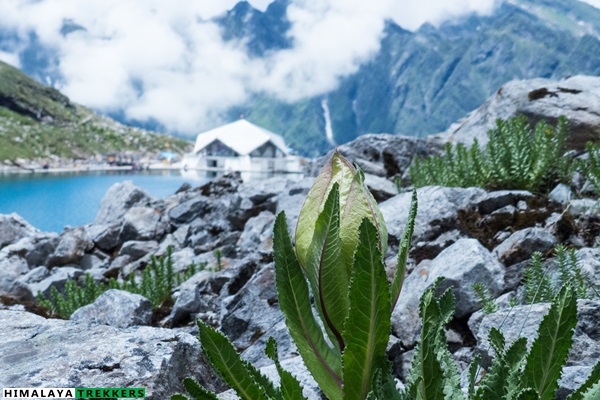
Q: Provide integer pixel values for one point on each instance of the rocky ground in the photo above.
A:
(467, 235)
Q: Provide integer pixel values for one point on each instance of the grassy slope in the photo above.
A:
(38, 121)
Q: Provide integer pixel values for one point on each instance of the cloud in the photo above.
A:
(595, 3)
(10, 58)
(164, 60)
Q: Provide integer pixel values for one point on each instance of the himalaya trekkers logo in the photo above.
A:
(73, 393)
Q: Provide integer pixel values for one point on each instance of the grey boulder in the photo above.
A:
(577, 98)
(57, 353)
(142, 223)
(521, 245)
(438, 210)
(120, 198)
(116, 308)
(463, 264)
(12, 228)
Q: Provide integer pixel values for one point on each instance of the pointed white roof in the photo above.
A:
(241, 136)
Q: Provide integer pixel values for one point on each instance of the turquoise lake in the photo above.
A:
(52, 201)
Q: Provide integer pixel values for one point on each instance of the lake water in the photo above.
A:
(51, 201)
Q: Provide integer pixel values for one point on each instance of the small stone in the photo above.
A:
(561, 194)
(521, 245)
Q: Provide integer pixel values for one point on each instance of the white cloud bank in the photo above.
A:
(165, 60)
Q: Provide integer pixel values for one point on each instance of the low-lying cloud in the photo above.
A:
(167, 61)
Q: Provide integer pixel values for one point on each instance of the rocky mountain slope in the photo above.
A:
(469, 235)
(420, 82)
(577, 98)
(39, 122)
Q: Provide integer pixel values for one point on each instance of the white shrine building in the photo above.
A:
(241, 146)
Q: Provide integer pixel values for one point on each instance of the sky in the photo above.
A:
(167, 61)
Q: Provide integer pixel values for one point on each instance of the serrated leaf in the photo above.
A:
(389, 390)
(447, 304)
(497, 341)
(323, 362)
(593, 379)
(403, 250)
(367, 328)
(225, 359)
(503, 376)
(197, 391)
(179, 396)
(432, 382)
(472, 375)
(514, 359)
(452, 387)
(326, 272)
(593, 393)
(550, 349)
(411, 391)
(527, 394)
(290, 387)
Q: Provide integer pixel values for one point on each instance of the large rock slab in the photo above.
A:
(116, 308)
(56, 353)
(381, 154)
(254, 313)
(120, 198)
(438, 209)
(577, 98)
(463, 264)
(12, 228)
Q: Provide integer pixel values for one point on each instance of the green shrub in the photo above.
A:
(592, 166)
(539, 285)
(157, 282)
(74, 296)
(353, 363)
(516, 157)
(485, 298)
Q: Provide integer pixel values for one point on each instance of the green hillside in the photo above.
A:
(37, 121)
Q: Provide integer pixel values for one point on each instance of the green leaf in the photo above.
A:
(593, 379)
(426, 361)
(327, 274)
(225, 359)
(550, 349)
(290, 387)
(504, 374)
(358, 204)
(336, 169)
(497, 341)
(367, 329)
(527, 394)
(179, 396)
(197, 391)
(473, 374)
(323, 362)
(384, 388)
(593, 393)
(403, 250)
